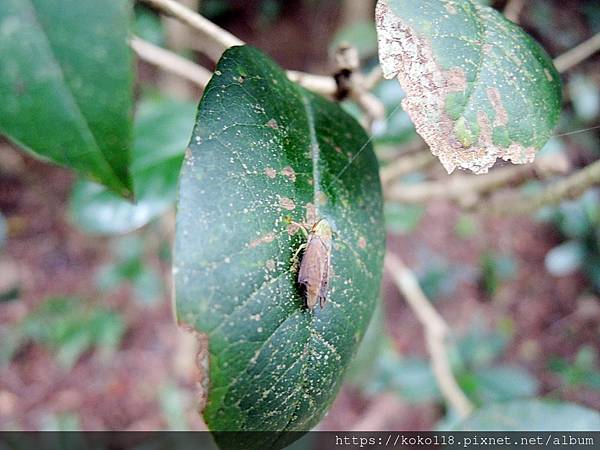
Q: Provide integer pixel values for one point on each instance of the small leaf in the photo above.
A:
(478, 87)
(503, 383)
(531, 415)
(66, 84)
(162, 131)
(266, 152)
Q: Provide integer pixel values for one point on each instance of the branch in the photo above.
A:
(215, 38)
(436, 332)
(321, 85)
(466, 190)
(170, 62)
(570, 187)
(578, 54)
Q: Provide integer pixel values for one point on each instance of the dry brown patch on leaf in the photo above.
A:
(272, 123)
(289, 173)
(409, 58)
(287, 203)
(266, 239)
(270, 172)
(293, 228)
(501, 118)
(202, 363)
(362, 242)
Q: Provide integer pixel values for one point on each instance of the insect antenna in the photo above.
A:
(357, 154)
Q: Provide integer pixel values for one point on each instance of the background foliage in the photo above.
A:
(84, 274)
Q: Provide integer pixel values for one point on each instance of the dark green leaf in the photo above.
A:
(162, 131)
(66, 84)
(478, 87)
(266, 152)
(531, 415)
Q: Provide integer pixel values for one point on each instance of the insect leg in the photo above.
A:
(295, 259)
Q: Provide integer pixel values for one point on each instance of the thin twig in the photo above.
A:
(436, 333)
(170, 62)
(513, 10)
(466, 190)
(316, 83)
(215, 38)
(570, 187)
(577, 54)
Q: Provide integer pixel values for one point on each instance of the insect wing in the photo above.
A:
(313, 270)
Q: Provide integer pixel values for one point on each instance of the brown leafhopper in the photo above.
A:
(313, 275)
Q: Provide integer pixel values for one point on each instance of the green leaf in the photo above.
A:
(478, 87)
(531, 415)
(266, 152)
(162, 131)
(504, 382)
(66, 84)
(70, 327)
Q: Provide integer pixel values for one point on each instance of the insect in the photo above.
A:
(313, 275)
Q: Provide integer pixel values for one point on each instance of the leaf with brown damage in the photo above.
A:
(264, 157)
(478, 88)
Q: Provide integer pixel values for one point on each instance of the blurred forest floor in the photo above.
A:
(147, 378)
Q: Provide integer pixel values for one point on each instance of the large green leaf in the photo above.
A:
(478, 87)
(532, 415)
(266, 152)
(66, 84)
(161, 133)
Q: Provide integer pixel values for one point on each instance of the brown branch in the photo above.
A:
(466, 190)
(356, 11)
(316, 83)
(170, 62)
(570, 187)
(216, 40)
(436, 333)
(578, 54)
